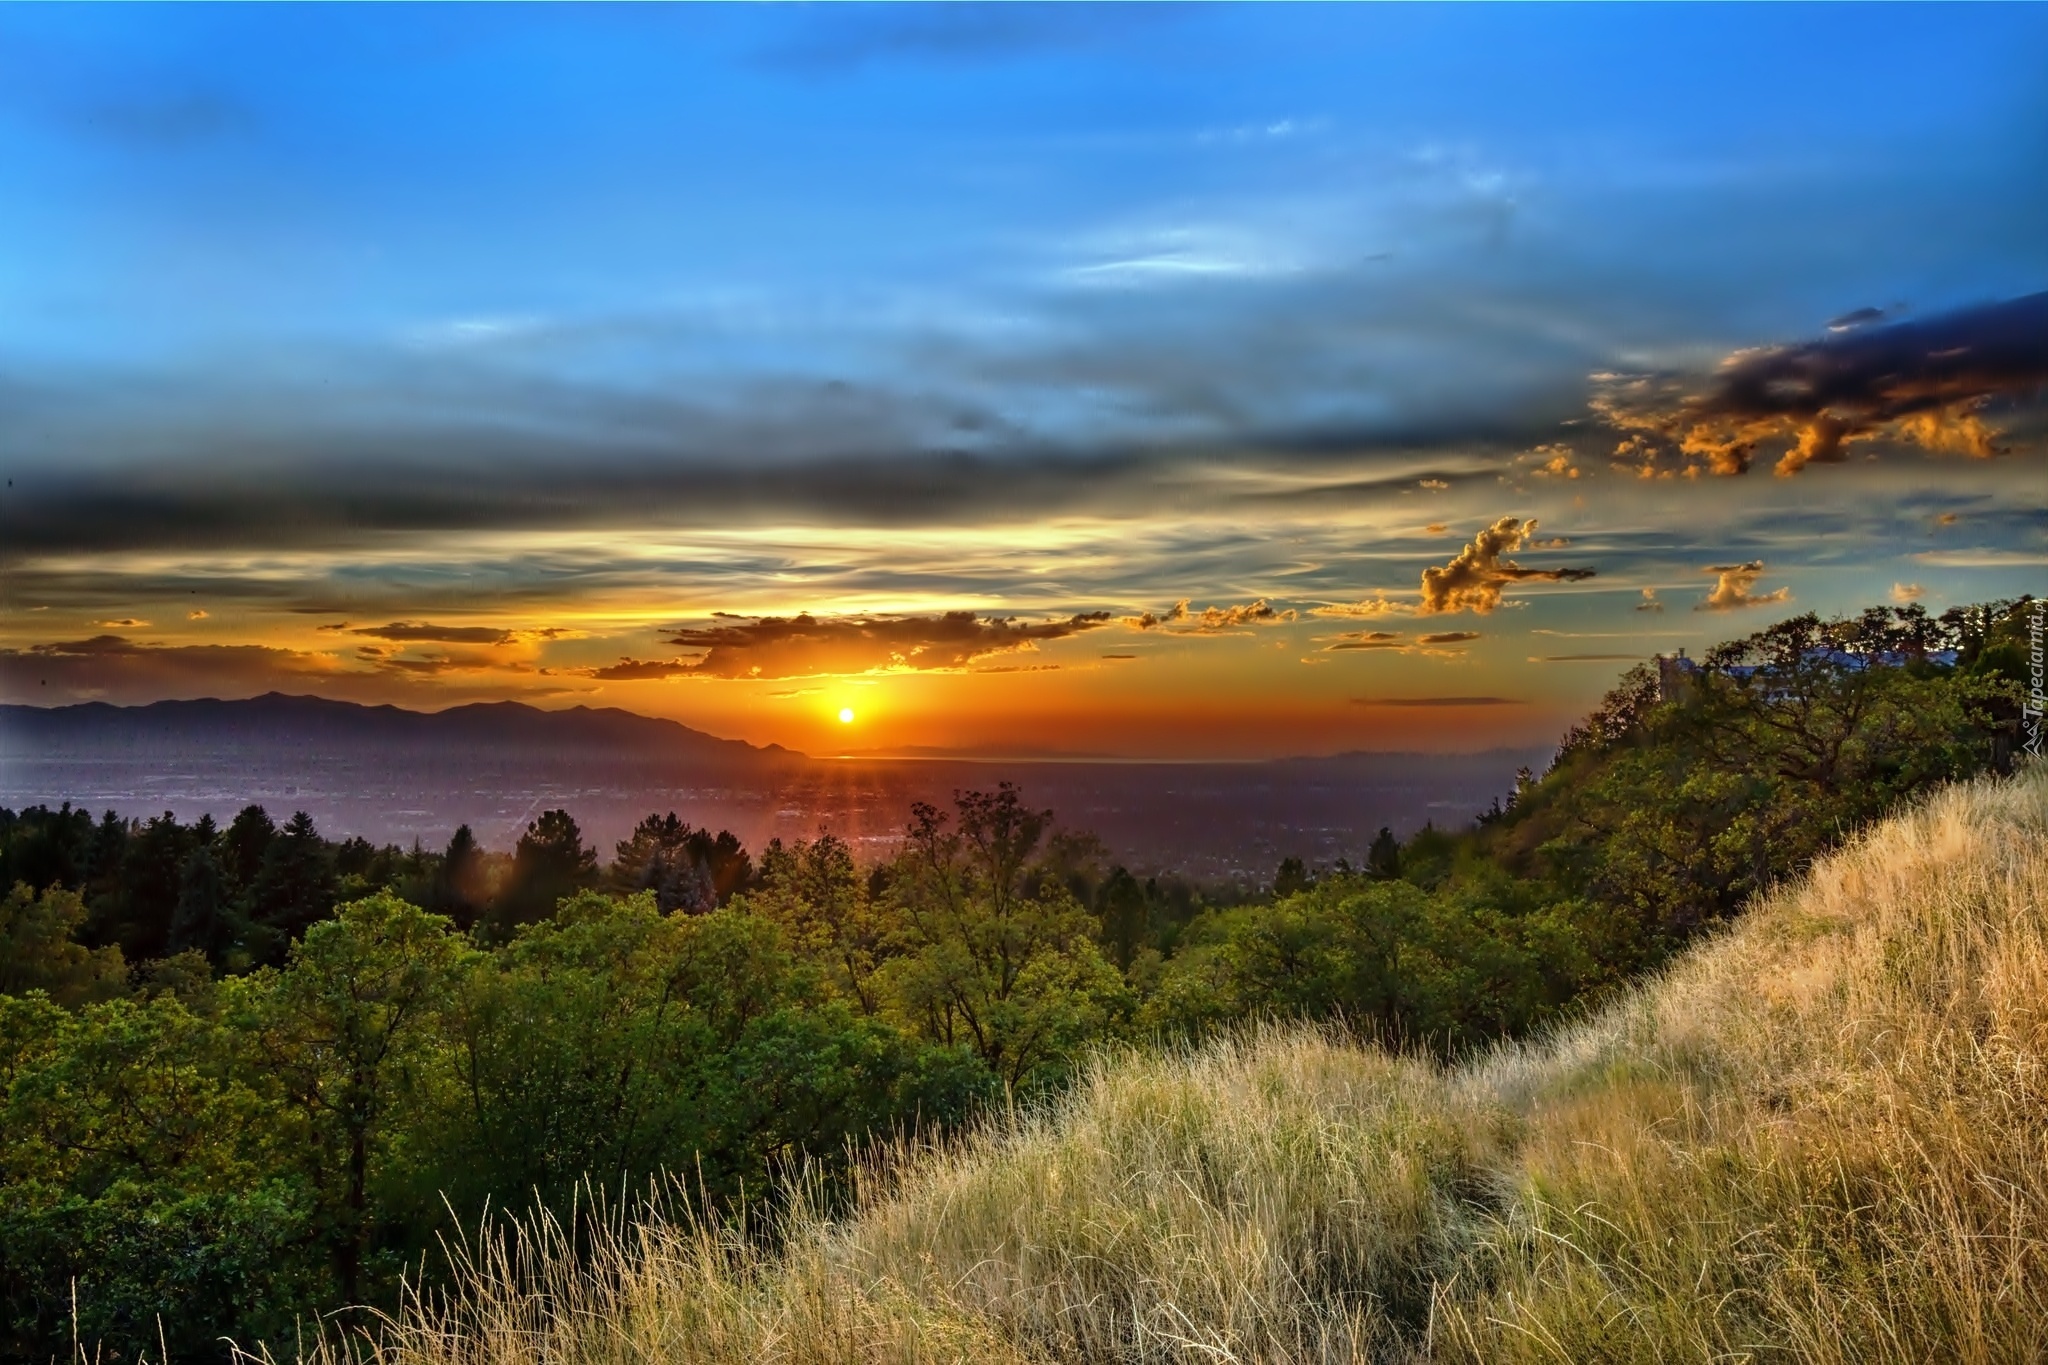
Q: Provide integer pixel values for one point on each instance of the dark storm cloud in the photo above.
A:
(1928, 382)
(806, 645)
(1104, 403)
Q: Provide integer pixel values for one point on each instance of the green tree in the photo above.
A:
(346, 1028)
(461, 882)
(204, 921)
(612, 1042)
(1292, 877)
(1125, 914)
(1383, 858)
(294, 887)
(142, 1185)
(996, 959)
(243, 846)
(829, 914)
(686, 868)
(550, 863)
(39, 951)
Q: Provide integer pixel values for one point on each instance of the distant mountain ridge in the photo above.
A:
(276, 721)
(393, 775)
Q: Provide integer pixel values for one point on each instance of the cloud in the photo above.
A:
(1986, 558)
(806, 645)
(1436, 528)
(115, 668)
(1369, 639)
(1438, 701)
(1859, 317)
(435, 665)
(1553, 461)
(1732, 589)
(1378, 605)
(1437, 645)
(196, 614)
(426, 632)
(1925, 382)
(1181, 621)
(118, 669)
(1474, 580)
(1248, 614)
(1902, 593)
(124, 623)
(1649, 602)
(647, 670)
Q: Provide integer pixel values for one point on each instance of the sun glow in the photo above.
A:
(846, 715)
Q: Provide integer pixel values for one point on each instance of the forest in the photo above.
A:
(252, 1075)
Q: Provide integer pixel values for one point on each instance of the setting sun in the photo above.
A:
(846, 715)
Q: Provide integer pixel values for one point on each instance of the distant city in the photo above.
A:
(395, 777)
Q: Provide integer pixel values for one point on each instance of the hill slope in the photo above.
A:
(1820, 1137)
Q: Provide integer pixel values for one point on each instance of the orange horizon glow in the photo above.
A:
(1317, 642)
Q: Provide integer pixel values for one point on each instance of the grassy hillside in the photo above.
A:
(1821, 1136)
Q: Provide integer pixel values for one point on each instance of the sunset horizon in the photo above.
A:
(1152, 383)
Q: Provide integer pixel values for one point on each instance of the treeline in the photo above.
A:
(240, 896)
(245, 1067)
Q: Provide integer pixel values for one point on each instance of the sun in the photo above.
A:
(846, 715)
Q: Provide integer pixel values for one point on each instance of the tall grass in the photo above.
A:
(1823, 1136)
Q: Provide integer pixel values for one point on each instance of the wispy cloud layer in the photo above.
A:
(806, 646)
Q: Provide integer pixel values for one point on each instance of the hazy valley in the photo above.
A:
(393, 776)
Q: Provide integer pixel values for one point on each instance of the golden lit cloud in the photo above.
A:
(1179, 619)
(1475, 579)
(807, 645)
(1437, 644)
(427, 632)
(1553, 461)
(1368, 609)
(1732, 588)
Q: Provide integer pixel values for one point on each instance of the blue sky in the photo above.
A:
(600, 320)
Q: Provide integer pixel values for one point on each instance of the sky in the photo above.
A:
(1210, 382)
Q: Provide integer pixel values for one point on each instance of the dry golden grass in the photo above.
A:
(1822, 1137)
